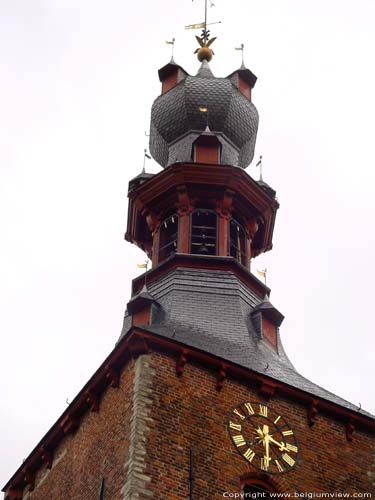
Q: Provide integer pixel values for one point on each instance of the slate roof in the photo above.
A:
(176, 120)
(211, 310)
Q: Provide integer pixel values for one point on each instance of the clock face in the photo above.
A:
(263, 438)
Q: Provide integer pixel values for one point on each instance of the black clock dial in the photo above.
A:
(263, 438)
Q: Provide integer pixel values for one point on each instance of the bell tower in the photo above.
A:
(198, 399)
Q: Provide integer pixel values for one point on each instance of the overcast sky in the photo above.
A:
(78, 78)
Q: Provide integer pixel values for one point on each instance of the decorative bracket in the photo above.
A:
(69, 424)
(30, 479)
(312, 413)
(153, 221)
(267, 389)
(93, 400)
(14, 494)
(47, 457)
(113, 376)
(224, 207)
(138, 346)
(181, 362)
(184, 205)
(221, 376)
(349, 430)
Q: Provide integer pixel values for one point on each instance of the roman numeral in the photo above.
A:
(236, 427)
(264, 463)
(239, 414)
(275, 421)
(249, 454)
(263, 410)
(279, 466)
(289, 460)
(239, 440)
(291, 447)
(249, 408)
(287, 433)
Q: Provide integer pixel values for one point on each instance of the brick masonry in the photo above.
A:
(140, 441)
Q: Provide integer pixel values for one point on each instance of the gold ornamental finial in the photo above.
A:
(204, 52)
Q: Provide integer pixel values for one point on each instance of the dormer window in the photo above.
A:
(168, 237)
(203, 232)
(237, 241)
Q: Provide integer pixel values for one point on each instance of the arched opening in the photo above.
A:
(237, 241)
(168, 237)
(258, 489)
(203, 232)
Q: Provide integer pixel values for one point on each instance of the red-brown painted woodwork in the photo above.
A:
(155, 249)
(267, 389)
(142, 317)
(221, 376)
(224, 209)
(205, 153)
(69, 423)
(312, 413)
(138, 346)
(349, 430)
(14, 494)
(269, 332)
(245, 88)
(169, 82)
(184, 224)
(113, 376)
(184, 205)
(30, 479)
(46, 456)
(181, 362)
(92, 399)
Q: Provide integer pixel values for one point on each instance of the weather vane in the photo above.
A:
(242, 46)
(204, 51)
(171, 42)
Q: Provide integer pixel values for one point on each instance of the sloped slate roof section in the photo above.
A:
(211, 311)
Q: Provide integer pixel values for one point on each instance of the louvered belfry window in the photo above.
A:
(237, 241)
(168, 237)
(203, 232)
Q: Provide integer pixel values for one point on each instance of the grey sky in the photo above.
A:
(78, 79)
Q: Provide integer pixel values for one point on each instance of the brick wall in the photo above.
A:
(140, 439)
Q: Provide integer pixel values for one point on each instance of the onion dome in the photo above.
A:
(177, 119)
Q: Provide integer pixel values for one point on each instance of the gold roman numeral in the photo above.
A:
(291, 447)
(289, 460)
(249, 408)
(279, 466)
(249, 454)
(236, 427)
(239, 440)
(275, 421)
(264, 463)
(287, 433)
(263, 410)
(239, 414)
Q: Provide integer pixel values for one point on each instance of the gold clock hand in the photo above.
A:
(280, 445)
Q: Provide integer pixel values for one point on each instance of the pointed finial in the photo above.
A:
(146, 155)
(171, 42)
(259, 164)
(204, 52)
(242, 46)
